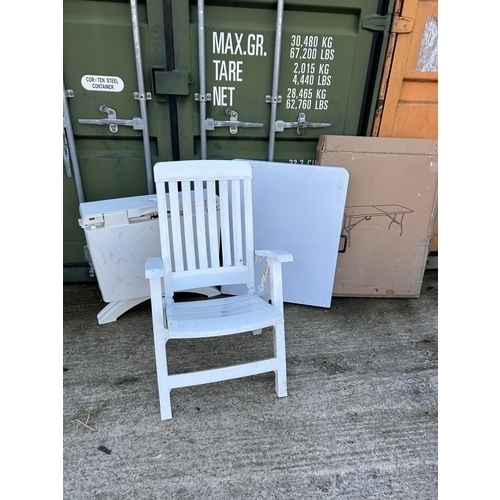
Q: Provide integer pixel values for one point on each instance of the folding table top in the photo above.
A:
(300, 208)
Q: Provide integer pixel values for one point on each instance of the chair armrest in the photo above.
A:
(272, 289)
(275, 254)
(154, 268)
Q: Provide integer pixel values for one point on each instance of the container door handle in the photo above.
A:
(233, 123)
(112, 120)
(301, 124)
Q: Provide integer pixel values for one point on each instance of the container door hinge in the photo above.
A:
(112, 120)
(301, 124)
(233, 123)
(388, 24)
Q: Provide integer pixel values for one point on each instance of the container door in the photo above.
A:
(101, 83)
(266, 83)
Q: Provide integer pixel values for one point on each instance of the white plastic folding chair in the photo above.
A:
(206, 234)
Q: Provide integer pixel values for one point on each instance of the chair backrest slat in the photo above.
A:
(201, 232)
(236, 223)
(176, 231)
(187, 220)
(225, 227)
(249, 231)
(213, 224)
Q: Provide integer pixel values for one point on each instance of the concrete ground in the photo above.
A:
(360, 420)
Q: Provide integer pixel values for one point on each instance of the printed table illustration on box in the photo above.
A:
(355, 214)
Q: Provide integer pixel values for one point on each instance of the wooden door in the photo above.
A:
(410, 107)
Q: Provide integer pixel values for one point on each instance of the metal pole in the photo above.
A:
(142, 97)
(68, 130)
(202, 69)
(276, 75)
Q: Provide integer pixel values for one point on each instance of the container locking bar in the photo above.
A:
(70, 156)
(67, 93)
(233, 123)
(112, 120)
(301, 125)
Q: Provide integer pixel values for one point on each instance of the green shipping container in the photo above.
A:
(162, 80)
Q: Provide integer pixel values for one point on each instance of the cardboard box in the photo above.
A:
(389, 214)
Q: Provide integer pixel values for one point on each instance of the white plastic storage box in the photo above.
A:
(121, 234)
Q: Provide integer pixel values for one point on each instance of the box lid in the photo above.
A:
(376, 145)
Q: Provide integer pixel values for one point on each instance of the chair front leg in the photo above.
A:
(280, 355)
(154, 272)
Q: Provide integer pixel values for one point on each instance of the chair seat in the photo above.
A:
(222, 316)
